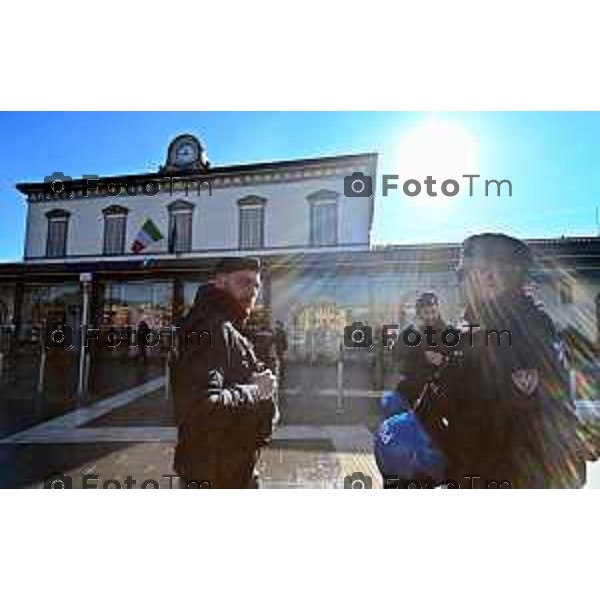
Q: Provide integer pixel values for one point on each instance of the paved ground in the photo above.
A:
(130, 433)
(22, 406)
(318, 443)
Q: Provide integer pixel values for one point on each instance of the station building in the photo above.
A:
(147, 241)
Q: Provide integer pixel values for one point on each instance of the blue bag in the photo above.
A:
(404, 450)
(392, 403)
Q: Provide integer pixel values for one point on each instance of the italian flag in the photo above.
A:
(148, 234)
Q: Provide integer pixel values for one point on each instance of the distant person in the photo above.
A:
(417, 364)
(142, 340)
(281, 348)
(320, 341)
(378, 359)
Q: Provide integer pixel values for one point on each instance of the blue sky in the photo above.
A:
(550, 158)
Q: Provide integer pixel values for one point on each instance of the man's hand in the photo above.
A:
(266, 383)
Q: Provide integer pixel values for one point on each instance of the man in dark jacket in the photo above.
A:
(509, 415)
(225, 407)
(142, 340)
(417, 364)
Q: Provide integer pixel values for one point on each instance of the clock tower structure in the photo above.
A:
(186, 154)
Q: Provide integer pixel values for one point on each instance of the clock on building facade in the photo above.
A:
(186, 154)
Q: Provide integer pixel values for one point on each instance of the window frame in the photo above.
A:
(245, 205)
(178, 209)
(321, 198)
(115, 213)
(56, 217)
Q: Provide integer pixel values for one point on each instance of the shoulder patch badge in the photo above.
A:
(526, 380)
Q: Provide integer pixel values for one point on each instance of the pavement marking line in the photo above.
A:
(343, 437)
(348, 392)
(96, 435)
(80, 416)
(84, 435)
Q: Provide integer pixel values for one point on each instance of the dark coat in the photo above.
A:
(221, 422)
(508, 407)
(412, 366)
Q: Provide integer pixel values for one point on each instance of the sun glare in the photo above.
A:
(442, 149)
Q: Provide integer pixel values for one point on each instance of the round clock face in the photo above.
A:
(185, 153)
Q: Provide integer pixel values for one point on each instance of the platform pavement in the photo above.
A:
(320, 441)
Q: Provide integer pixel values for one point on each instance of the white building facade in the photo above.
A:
(202, 211)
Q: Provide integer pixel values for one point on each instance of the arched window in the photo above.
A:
(251, 222)
(180, 226)
(323, 218)
(58, 229)
(115, 227)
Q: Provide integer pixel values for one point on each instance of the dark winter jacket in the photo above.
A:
(220, 420)
(509, 412)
